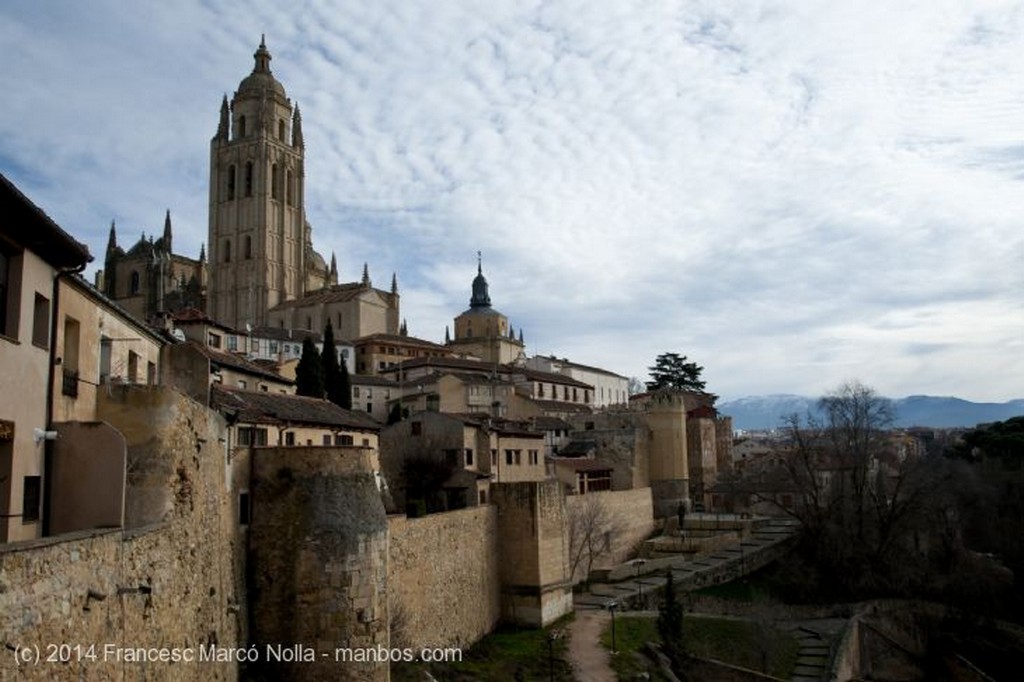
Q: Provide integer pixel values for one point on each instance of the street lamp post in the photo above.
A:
(637, 564)
(611, 606)
(552, 636)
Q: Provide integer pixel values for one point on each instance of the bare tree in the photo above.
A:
(592, 530)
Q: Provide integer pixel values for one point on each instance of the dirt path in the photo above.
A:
(590, 660)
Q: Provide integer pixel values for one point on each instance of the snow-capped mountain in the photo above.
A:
(769, 411)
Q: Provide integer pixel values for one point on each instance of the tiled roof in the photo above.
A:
(236, 362)
(278, 408)
(31, 228)
(580, 464)
(281, 334)
(334, 294)
(550, 424)
(398, 339)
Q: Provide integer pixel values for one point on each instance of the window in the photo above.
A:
(241, 126)
(248, 178)
(280, 130)
(366, 442)
(518, 456)
(31, 498)
(227, 251)
(288, 187)
(355, 391)
(327, 439)
(273, 346)
(232, 342)
(483, 497)
(5, 292)
(275, 185)
(213, 340)
(133, 367)
(231, 182)
(41, 322)
(343, 439)
(244, 508)
(250, 435)
(248, 247)
(289, 438)
(469, 457)
(72, 331)
(242, 383)
(540, 390)
(134, 283)
(369, 407)
(417, 428)
(508, 457)
(151, 373)
(494, 458)
(534, 457)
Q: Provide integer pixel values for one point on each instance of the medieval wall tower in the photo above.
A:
(259, 243)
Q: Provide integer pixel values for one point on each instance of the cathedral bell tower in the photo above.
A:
(258, 236)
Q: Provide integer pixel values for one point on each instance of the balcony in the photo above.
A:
(69, 384)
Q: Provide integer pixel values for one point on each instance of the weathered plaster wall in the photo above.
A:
(443, 582)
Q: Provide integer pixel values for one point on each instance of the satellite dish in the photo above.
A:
(178, 334)
(248, 328)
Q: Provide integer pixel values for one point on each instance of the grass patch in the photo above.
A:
(506, 654)
(745, 643)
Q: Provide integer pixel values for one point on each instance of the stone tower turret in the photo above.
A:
(258, 241)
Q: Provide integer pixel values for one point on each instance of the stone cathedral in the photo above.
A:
(260, 245)
(259, 268)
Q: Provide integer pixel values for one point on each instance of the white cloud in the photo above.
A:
(792, 194)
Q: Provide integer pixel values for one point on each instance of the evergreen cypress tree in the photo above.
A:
(332, 372)
(346, 388)
(670, 622)
(309, 373)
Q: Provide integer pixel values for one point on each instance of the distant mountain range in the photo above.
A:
(768, 411)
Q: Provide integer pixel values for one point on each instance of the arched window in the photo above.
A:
(248, 247)
(241, 126)
(227, 251)
(134, 282)
(231, 182)
(288, 188)
(248, 178)
(280, 130)
(275, 183)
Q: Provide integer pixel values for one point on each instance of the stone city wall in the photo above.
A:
(318, 563)
(630, 516)
(443, 580)
(108, 604)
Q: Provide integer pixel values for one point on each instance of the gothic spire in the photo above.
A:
(334, 269)
(297, 140)
(447, 336)
(167, 231)
(520, 335)
(225, 117)
(404, 329)
(202, 252)
(112, 239)
(394, 283)
(366, 276)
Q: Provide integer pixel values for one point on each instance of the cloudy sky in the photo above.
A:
(793, 194)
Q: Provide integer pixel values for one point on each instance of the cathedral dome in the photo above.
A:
(261, 79)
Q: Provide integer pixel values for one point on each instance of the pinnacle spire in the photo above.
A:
(262, 57)
(167, 231)
(481, 298)
(334, 268)
(225, 117)
(394, 283)
(297, 140)
(366, 276)
(112, 239)
(202, 252)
